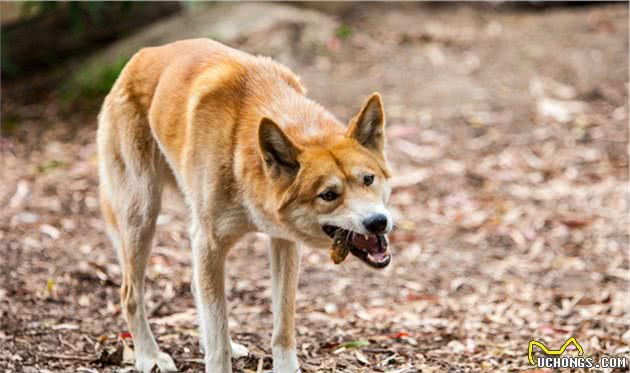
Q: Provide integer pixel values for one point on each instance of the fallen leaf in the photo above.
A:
(22, 190)
(355, 344)
(576, 223)
(398, 335)
(128, 357)
(49, 230)
(548, 329)
(361, 358)
(50, 287)
(423, 296)
(559, 110)
(110, 356)
(65, 326)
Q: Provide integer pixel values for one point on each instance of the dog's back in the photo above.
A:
(185, 91)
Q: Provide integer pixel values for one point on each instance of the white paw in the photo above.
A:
(164, 362)
(238, 350)
(285, 361)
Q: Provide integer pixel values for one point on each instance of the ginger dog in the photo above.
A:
(249, 153)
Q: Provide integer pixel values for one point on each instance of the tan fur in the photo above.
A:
(194, 110)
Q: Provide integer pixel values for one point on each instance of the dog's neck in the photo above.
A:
(301, 118)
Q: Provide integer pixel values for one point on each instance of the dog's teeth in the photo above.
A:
(365, 237)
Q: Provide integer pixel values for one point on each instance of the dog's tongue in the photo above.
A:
(370, 243)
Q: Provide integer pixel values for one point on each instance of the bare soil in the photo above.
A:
(507, 131)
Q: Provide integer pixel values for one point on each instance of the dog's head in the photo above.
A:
(335, 186)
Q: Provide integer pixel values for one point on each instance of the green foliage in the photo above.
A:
(80, 16)
(344, 31)
(93, 82)
(30, 8)
(50, 165)
(8, 67)
(10, 123)
(76, 10)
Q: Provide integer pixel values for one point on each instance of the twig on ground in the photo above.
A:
(260, 365)
(67, 357)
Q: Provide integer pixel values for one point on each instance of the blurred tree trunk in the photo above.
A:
(59, 32)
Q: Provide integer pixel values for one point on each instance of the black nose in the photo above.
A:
(376, 223)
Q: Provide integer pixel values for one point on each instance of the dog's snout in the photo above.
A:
(376, 224)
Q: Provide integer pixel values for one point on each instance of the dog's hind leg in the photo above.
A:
(131, 170)
(209, 251)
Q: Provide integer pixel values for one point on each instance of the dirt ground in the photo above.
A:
(507, 131)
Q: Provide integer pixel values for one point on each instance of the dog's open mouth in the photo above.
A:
(371, 249)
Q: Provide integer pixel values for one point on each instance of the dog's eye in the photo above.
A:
(329, 196)
(368, 179)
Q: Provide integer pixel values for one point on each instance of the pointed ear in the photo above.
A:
(278, 152)
(368, 127)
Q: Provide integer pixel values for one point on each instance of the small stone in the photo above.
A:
(330, 308)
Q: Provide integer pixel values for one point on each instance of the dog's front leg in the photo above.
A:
(209, 291)
(285, 266)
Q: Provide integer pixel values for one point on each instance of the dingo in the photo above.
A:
(249, 152)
